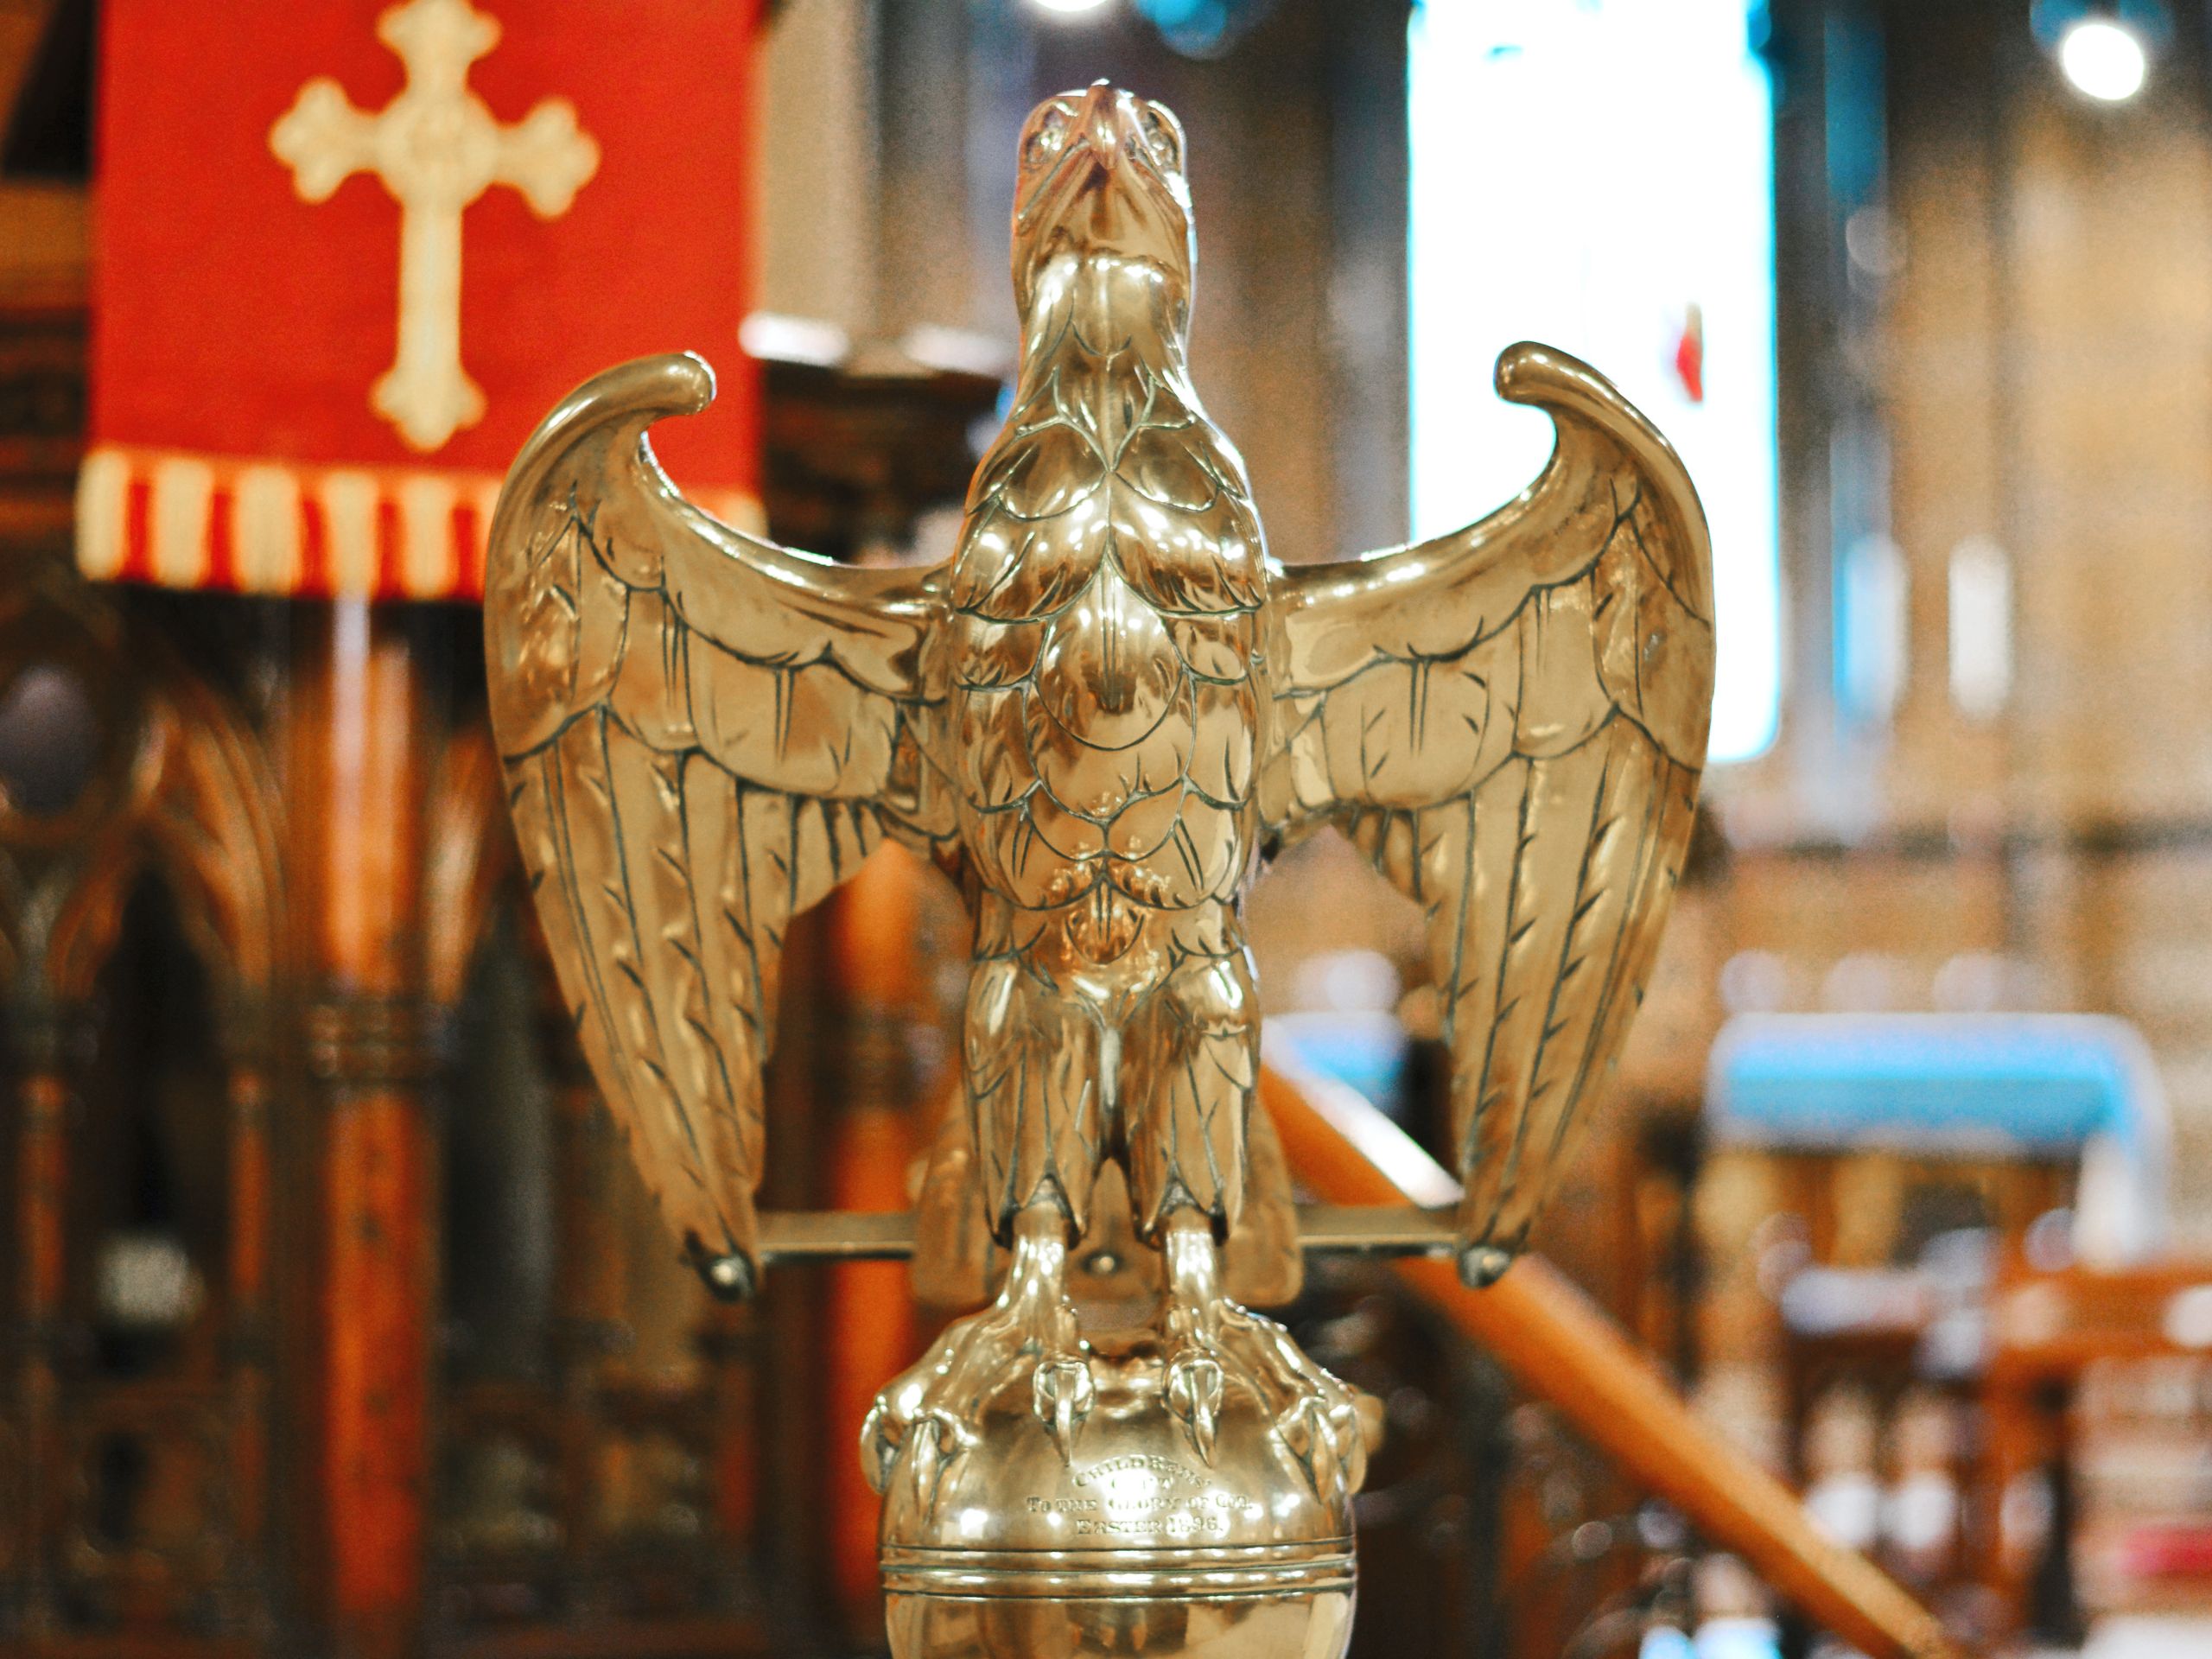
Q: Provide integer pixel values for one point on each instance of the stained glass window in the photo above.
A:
(1598, 174)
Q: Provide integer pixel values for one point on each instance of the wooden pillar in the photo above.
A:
(788, 1315)
(590, 1288)
(253, 1325)
(870, 1331)
(585, 1291)
(45, 1099)
(732, 1347)
(356, 781)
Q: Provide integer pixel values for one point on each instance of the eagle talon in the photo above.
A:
(1030, 1330)
(881, 1435)
(1194, 1391)
(1307, 1431)
(1062, 1392)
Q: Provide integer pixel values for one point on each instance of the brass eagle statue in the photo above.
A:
(1102, 717)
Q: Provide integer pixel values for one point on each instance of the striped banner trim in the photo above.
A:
(227, 524)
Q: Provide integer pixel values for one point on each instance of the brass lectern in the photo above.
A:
(1101, 718)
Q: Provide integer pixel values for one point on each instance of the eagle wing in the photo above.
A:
(702, 735)
(1510, 721)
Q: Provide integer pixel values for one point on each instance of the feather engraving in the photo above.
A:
(1100, 717)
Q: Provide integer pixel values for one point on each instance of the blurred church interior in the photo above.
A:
(336, 1321)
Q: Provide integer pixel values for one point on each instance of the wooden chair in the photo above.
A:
(2048, 1331)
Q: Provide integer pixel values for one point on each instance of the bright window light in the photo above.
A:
(2103, 59)
(1600, 177)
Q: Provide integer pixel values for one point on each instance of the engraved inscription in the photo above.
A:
(1145, 1497)
(1062, 1505)
(1142, 1465)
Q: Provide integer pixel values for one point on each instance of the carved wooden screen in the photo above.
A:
(593, 1470)
(138, 903)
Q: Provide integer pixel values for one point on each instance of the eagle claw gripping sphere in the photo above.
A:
(1155, 1492)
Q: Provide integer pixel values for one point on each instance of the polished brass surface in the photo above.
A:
(1182, 1488)
(1101, 718)
(889, 1236)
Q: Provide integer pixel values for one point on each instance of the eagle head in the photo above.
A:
(1102, 186)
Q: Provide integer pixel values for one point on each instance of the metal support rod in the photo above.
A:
(1379, 1230)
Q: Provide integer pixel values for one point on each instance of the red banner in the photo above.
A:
(349, 252)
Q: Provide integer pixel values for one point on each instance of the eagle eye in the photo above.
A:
(1043, 142)
(1160, 136)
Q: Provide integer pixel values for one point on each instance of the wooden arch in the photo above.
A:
(178, 783)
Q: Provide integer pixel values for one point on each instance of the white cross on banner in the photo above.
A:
(349, 252)
(436, 149)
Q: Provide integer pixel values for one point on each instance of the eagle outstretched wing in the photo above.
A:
(703, 733)
(1511, 721)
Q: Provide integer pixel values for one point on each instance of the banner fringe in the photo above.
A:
(238, 524)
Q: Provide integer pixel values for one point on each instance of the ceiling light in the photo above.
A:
(1070, 6)
(2103, 59)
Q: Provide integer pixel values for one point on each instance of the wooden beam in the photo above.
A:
(1563, 1349)
(356, 785)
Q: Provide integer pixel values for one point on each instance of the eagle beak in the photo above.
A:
(1100, 123)
(1095, 131)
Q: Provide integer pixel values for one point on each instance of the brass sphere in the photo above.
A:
(996, 1547)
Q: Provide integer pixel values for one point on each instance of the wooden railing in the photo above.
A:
(1563, 1349)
